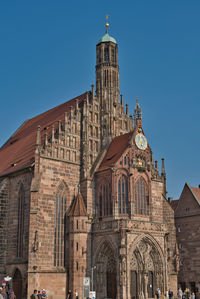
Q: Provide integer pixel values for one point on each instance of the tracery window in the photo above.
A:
(105, 202)
(141, 197)
(20, 227)
(59, 226)
(123, 204)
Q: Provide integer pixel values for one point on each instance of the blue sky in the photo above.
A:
(47, 56)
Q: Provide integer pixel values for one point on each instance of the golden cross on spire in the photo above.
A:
(137, 99)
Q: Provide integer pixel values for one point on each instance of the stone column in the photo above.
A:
(146, 285)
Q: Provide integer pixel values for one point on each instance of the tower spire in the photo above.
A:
(137, 114)
(107, 81)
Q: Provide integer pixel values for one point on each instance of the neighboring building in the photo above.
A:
(117, 225)
(187, 220)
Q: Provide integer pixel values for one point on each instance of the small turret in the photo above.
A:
(77, 237)
(138, 115)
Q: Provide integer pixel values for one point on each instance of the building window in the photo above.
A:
(91, 131)
(20, 228)
(141, 197)
(96, 132)
(76, 266)
(179, 229)
(123, 195)
(59, 226)
(106, 54)
(96, 146)
(96, 120)
(91, 145)
(77, 246)
(105, 202)
(74, 142)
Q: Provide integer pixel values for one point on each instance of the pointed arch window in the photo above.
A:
(105, 201)
(59, 227)
(20, 227)
(123, 204)
(141, 197)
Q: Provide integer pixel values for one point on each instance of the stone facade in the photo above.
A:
(116, 227)
(187, 215)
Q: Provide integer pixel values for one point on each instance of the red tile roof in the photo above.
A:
(115, 150)
(78, 207)
(18, 152)
(196, 192)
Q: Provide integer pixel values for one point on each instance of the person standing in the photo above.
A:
(39, 295)
(12, 295)
(158, 293)
(180, 293)
(69, 295)
(76, 294)
(4, 294)
(170, 293)
(1, 294)
(44, 294)
(34, 295)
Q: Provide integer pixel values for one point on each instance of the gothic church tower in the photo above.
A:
(107, 88)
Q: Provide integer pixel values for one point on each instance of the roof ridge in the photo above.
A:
(190, 188)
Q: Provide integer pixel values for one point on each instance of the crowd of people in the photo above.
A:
(37, 294)
(43, 294)
(7, 293)
(187, 294)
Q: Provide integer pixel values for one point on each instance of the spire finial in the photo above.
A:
(138, 114)
(107, 24)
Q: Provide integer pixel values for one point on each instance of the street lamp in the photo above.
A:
(92, 274)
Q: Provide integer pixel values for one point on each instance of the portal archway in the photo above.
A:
(146, 269)
(105, 275)
(17, 283)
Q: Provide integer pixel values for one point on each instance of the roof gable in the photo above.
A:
(189, 201)
(117, 147)
(19, 151)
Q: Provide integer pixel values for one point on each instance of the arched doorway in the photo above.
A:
(17, 284)
(146, 270)
(105, 275)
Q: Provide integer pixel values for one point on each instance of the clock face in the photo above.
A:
(141, 141)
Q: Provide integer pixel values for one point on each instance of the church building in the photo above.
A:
(81, 196)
